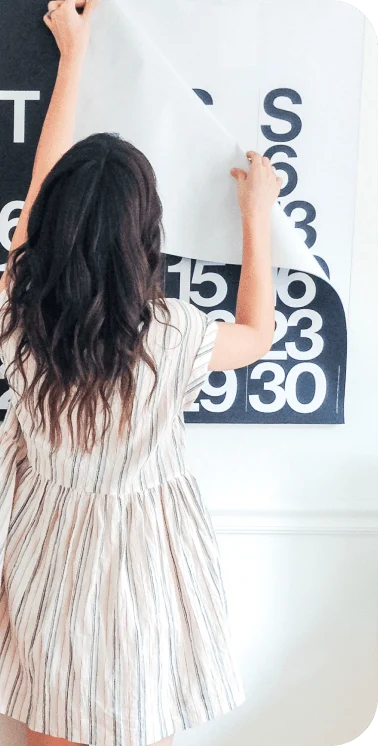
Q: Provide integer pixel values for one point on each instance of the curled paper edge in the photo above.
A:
(160, 113)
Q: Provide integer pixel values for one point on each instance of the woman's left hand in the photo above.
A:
(70, 28)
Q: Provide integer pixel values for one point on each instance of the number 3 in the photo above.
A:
(274, 385)
(310, 333)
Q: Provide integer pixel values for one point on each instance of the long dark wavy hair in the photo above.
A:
(84, 287)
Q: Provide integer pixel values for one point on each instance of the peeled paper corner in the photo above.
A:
(129, 87)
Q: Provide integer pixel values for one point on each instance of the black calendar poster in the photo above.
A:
(302, 379)
(267, 95)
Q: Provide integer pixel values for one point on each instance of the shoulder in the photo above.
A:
(185, 315)
(182, 328)
(196, 329)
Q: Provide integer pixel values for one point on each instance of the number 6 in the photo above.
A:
(6, 223)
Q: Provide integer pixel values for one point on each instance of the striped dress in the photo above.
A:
(113, 617)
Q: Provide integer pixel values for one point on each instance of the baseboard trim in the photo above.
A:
(328, 523)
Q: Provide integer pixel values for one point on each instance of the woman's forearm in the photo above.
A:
(59, 125)
(55, 139)
(255, 305)
(72, 36)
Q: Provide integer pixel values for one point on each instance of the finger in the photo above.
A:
(48, 19)
(238, 173)
(253, 156)
(53, 6)
(90, 5)
(80, 5)
(266, 161)
(279, 184)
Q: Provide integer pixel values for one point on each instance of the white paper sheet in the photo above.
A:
(128, 86)
(245, 50)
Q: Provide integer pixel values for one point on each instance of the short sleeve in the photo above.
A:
(202, 332)
(3, 297)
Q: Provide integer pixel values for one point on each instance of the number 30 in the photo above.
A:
(289, 393)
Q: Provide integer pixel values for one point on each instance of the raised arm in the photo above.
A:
(71, 31)
(251, 336)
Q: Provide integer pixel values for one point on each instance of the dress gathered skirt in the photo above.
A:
(113, 616)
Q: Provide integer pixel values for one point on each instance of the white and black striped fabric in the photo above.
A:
(113, 616)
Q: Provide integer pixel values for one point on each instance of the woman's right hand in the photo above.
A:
(259, 188)
(70, 28)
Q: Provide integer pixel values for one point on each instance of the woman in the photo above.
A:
(113, 617)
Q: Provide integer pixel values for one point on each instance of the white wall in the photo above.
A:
(304, 614)
(315, 467)
(300, 560)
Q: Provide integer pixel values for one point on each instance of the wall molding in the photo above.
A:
(311, 522)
